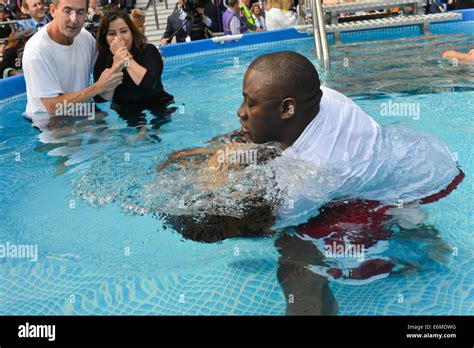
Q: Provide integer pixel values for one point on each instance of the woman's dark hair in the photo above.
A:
(139, 40)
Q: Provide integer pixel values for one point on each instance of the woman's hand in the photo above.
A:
(116, 44)
(122, 54)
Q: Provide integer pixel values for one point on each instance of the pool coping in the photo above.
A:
(15, 85)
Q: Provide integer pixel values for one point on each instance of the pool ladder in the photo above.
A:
(319, 33)
(320, 28)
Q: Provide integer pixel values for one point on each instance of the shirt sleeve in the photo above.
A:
(207, 21)
(41, 81)
(283, 21)
(153, 63)
(169, 29)
(234, 26)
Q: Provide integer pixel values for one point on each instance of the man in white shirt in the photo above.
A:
(58, 60)
(283, 102)
(276, 19)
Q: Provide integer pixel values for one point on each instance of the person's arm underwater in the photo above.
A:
(108, 80)
(181, 154)
(234, 137)
(459, 55)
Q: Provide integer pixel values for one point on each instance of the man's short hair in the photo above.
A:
(291, 73)
(56, 3)
(231, 3)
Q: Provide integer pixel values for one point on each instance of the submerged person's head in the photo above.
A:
(119, 24)
(69, 17)
(281, 96)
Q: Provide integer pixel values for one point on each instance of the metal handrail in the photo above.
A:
(11, 22)
(156, 14)
(317, 38)
(319, 33)
(322, 34)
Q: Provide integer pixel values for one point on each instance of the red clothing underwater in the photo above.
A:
(360, 223)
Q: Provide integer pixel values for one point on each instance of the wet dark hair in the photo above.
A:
(211, 228)
(139, 40)
(292, 74)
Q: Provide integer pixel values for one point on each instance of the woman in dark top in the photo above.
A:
(119, 40)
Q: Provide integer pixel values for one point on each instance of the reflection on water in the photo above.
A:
(81, 140)
(401, 67)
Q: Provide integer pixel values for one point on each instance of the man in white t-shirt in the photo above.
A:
(283, 102)
(57, 62)
(276, 19)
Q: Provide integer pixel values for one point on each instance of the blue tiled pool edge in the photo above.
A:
(15, 85)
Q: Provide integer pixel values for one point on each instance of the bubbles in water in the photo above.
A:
(193, 186)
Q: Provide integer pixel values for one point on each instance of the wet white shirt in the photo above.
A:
(52, 69)
(341, 137)
(369, 161)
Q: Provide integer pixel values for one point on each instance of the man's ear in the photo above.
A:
(52, 10)
(288, 108)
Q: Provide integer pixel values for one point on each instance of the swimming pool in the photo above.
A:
(108, 259)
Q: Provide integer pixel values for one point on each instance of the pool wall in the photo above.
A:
(15, 85)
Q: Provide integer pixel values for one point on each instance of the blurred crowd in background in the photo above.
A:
(190, 20)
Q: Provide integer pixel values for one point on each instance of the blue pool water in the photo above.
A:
(106, 259)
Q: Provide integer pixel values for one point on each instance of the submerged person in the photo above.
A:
(118, 40)
(211, 169)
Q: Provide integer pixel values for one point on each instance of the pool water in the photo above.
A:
(100, 256)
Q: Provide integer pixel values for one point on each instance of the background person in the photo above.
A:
(13, 9)
(138, 18)
(214, 10)
(276, 19)
(5, 29)
(246, 15)
(231, 21)
(258, 18)
(184, 29)
(94, 13)
(10, 64)
(37, 13)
